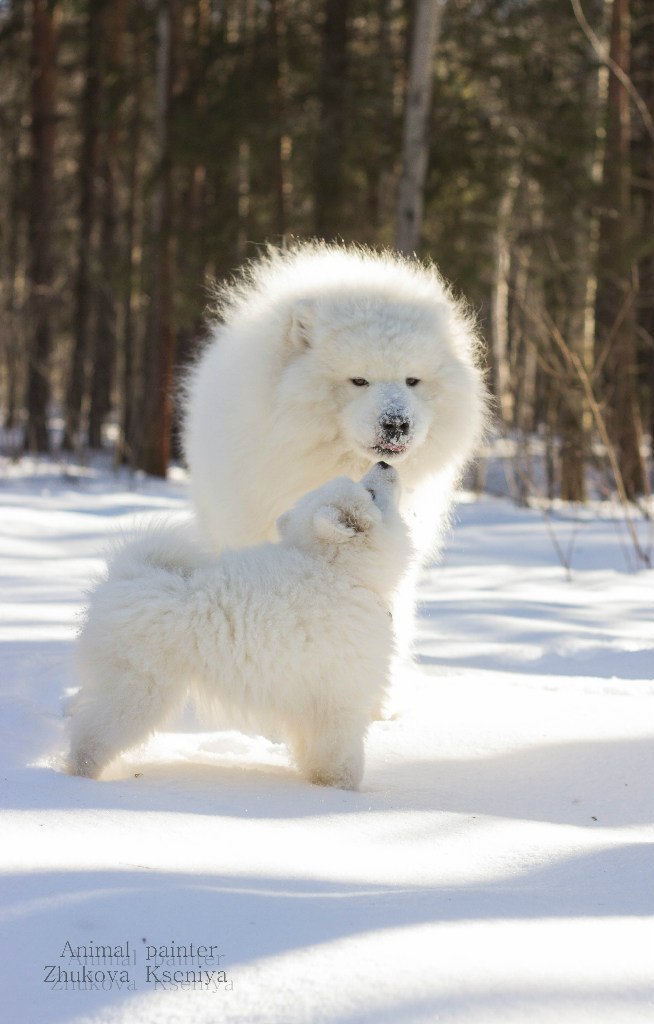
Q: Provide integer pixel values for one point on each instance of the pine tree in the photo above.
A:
(43, 65)
(161, 335)
(616, 321)
(416, 141)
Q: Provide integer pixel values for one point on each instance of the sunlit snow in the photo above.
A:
(496, 866)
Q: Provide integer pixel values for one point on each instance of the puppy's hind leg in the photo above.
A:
(116, 718)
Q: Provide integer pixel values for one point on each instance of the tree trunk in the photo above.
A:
(573, 443)
(415, 150)
(43, 58)
(104, 339)
(243, 186)
(13, 327)
(129, 441)
(646, 269)
(527, 294)
(160, 339)
(329, 157)
(576, 421)
(284, 147)
(88, 169)
(500, 304)
(191, 257)
(616, 323)
(579, 331)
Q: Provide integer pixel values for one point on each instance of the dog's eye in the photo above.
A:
(411, 382)
(371, 493)
(359, 382)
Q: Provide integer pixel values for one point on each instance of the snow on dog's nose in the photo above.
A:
(395, 424)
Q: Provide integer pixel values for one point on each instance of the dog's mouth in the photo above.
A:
(388, 449)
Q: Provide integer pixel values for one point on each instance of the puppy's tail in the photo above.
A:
(173, 547)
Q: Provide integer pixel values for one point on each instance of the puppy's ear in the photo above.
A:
(301, 326)
(337, 525)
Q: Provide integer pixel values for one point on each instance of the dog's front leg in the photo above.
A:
(331, 752)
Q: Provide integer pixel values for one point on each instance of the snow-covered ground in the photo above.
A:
(497, 865)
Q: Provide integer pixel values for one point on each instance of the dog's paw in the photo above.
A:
(343, 777)
(82, 763)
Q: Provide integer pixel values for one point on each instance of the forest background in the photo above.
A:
(148, 147)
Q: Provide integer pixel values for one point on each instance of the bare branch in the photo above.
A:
(602, 52)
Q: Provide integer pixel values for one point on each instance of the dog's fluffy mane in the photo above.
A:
(270, 281)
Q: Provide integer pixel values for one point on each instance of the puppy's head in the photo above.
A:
(357, 523)
(342, 510)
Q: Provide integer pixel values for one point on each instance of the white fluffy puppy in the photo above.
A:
(324, 360)
(291, 639)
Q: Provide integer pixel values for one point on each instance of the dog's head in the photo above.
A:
(386, 378)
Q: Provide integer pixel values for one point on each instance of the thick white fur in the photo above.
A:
(273, 391)
(291, 640)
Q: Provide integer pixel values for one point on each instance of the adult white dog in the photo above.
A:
(325, 359)
(291, 639)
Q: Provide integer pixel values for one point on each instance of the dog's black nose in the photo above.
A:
(395, 426)
(384, 465)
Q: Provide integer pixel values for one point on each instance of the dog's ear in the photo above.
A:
(301, 325)
(337, 525)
